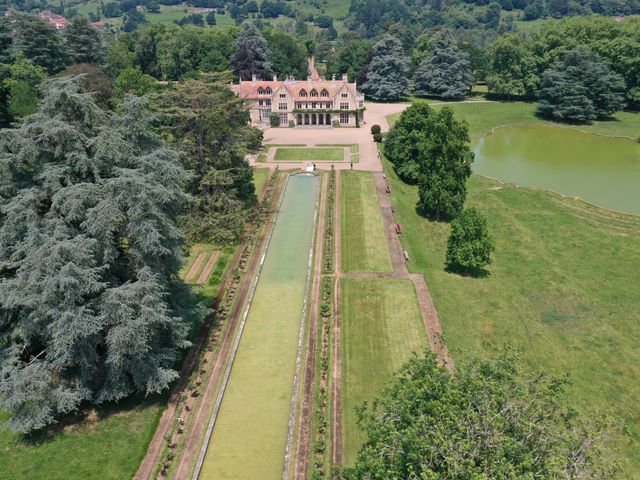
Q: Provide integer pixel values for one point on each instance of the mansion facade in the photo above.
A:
(312, 102)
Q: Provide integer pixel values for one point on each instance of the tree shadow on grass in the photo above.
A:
(477, 272)
(89, 416)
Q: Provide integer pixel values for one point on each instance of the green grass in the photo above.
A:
(363, 241)
(260, 176)
(317, 154)
(381, 325)
(251, 430)
(483, 117)
(563, 288)
(109, 445)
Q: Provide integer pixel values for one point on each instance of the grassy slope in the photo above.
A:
(364, 246)
(260, 176)
(309, 154)
(563, 287)
(381, 326)
(110, 447)
(482, 117)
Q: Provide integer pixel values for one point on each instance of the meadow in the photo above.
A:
(562, 289)
(484, 116)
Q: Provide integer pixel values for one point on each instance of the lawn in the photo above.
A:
(109, 444)
(562, 288)
(483, 117)
(317, 154)
(260, 176)
(363, 242)
(381, 325)
(251, 429)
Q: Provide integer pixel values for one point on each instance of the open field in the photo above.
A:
(109, 444)
(364, 246)
(381, 326)
(318, 154)
(563, 288)
(483, 117)
(251, 429)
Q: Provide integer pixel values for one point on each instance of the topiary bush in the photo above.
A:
(375, 129)
(336, 123)
(377, 137)
(274, 120)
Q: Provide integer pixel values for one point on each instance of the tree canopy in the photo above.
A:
(470, 244)
(445, 73)
(207, 122)
(431, 147)
(92, 306)
(252, 55)
(580, 87)
(493, 419)
(387, 71)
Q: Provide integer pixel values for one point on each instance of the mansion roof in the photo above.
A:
(298, 89)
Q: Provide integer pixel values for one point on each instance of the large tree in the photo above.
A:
(84, 43)
(512, 68)
(252, 55)
(39, 42)
(288, 56)
(388, 70)
(493, 419)
(92, 308)
(580, 87)
(211, 126)
(446, 72)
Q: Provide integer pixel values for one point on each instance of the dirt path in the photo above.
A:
(303, 449)
(208, 267)
(193, 435)
(195, 266)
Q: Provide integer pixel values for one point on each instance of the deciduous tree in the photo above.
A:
(492, 419)
(470, 244)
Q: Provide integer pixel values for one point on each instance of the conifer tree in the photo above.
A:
(387, 72)
(252, 55)
(446, 72)
(83, 41)
(91, 305)
(39, 42)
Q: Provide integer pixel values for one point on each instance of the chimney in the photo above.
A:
(345, 77)
(308, 78)
(253, 77)
(275, 78)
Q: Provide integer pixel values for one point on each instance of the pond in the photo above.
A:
(602, 170)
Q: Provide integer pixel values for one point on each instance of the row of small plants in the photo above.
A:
(321, 438)
(174, 440)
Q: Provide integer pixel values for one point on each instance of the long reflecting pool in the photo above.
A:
(602, 170)
(250, 434)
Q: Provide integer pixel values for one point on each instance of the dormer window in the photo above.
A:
(260, 91)
(267, 91)
(314, 93)
(303, 93)
(324, 94)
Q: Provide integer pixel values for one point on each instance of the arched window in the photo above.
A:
(303, 93)
(267, 91)
(314, 93)
(260, 91)
(324, 93)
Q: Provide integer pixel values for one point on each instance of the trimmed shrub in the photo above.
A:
(377, 137)
(274, 120)
(336, 123)
(291, 124)
(375, 129)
